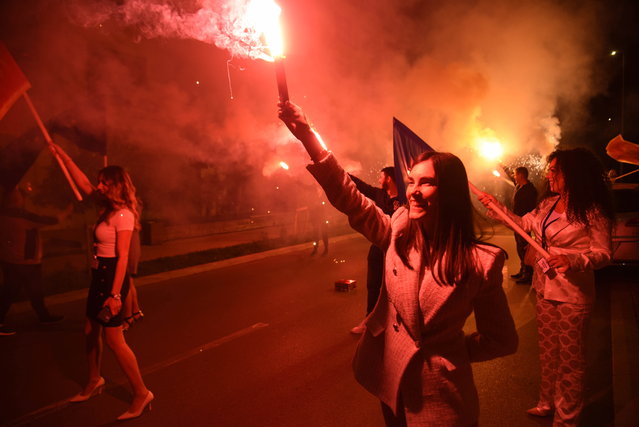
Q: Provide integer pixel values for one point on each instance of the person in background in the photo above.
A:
(118, 216)
(385, 197)
(414, 355)
(574, 224)
(21, 255)
(317, 216)
(524, 201)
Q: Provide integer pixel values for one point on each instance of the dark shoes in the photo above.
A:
(6, 331)
(539, 411)
(130, 320)
(51, 318)
(525, 280)
(48, 320)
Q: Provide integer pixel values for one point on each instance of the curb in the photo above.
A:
(52, 300)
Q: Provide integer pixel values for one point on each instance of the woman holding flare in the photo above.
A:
(414, 355)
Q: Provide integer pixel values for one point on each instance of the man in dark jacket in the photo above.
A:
(385, 197)
(21, 256)
(524, 201)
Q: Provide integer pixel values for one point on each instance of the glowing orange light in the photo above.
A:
(284, 165)
(489, 147)
(265, 16)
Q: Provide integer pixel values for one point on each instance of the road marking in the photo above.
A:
(120, 381)
(198, 350)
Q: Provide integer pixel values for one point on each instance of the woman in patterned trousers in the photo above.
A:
(574, 225)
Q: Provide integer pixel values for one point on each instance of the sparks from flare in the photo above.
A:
(319, 138)
(284, 165)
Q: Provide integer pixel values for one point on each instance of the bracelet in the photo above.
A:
(115, 296)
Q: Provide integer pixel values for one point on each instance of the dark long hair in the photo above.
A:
(121, 193)
(586, 184)
(449, 250)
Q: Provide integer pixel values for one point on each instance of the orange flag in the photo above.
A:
(13, 82)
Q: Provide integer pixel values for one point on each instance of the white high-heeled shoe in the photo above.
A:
(97, 389)
(134, 414)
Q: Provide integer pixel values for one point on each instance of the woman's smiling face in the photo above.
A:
(421, 191)
(555, 178)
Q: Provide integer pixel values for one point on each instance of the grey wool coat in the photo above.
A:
(414, 351)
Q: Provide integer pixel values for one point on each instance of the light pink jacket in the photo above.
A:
(414, 344)
(587, 249)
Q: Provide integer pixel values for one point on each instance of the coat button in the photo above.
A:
(395, 271)
(396, 327)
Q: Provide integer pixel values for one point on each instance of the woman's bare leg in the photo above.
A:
(93, 335)
(129, 364)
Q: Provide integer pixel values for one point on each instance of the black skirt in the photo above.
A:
(100, 290)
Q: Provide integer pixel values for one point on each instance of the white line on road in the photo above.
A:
(198, 350)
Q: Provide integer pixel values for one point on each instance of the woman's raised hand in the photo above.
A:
(57, 150)
(294, 119)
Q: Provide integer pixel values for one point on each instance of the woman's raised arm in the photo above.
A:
(78, 176)
(294, 118)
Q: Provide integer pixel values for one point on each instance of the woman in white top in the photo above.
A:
(414, 355)
(118, 216)
(574, 225)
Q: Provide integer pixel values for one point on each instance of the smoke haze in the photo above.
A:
(157, 76)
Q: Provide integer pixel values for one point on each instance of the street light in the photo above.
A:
(623, 83)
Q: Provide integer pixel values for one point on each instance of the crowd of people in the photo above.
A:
(428, 272)
(414, 354)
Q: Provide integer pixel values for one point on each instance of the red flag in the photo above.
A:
(13, 82)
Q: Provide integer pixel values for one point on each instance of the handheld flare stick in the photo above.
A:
(269, 25)
(280, 75)
(503, 215)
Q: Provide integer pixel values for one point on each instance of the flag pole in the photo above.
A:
(47, 138)
(512, 223)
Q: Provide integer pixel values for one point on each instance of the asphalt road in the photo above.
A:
(263, 343)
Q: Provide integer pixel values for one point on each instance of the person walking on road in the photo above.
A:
(574, 225)
(385, 197)
(414, 355)
(21, 256)
(524, 201)
(118, 216)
